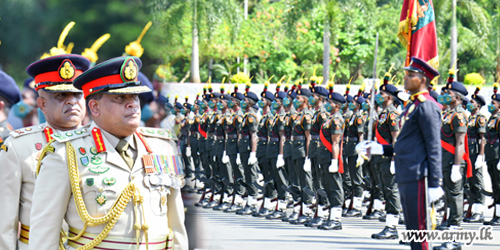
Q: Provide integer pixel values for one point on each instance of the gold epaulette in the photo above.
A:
(158, 133)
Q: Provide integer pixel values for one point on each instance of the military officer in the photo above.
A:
(355, 133)
(492, 153)
(346, 178)
(455, 151)
(301, 126)
(476, 129)
(265, 125)
(386, 132)
(275, 146)
(64, 107)
(247, 148)
(232, 123)
(417, 152)
(193, 141)
(317, 101)
(9, 95)
(111, 173)
(330, 159)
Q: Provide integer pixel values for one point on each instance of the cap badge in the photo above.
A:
(66, 70)
(129, 70)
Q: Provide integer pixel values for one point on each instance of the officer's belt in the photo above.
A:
(261, 138)
(314, 137)
(353, 139)
(274, 139)
(298, 138)
(474, 140)
(232, 136)
(244, 137)
(121, 243)
(24, 237)
(219, 137)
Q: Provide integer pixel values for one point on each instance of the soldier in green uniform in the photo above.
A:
(319, 95)
(222, 171)
(492, 153)
(293, 177)
(346, 115)
(476, 129)
(355, 133)
(275, 152)
(300, 149)
(386, 132)
(210, 146)
(262, 147)
(247, 148)
(9, 95)
(194, 136)
(204, 149)
(330, 160)
(454, 148)
(232, 123)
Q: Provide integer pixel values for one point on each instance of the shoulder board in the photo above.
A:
(422, 98)
(157, 132)
(28, 130)
(65, 136)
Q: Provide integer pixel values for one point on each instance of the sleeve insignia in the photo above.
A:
(323, 116)
(460, 116)
(393, 116)
(250, 119)
(240, 119)
(482, 121)
(360, 120)
(4, 148)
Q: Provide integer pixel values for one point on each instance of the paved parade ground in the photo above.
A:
(218, 230)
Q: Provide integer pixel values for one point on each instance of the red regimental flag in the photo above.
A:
(417, 16)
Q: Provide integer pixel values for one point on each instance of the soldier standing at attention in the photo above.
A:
(386, 132)
(346, 178)
(355, 133)
(265, 167)
(476, 129)
(9, 95)
(114, 183)
(492, 153)
(330, 159)
(317, 101)
(64, 108)
(193, 146)
(247, 147)
(417, 151)
(455, 151)
(301, 125)
(211, 147)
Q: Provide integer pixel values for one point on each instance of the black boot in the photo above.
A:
(375, 215)
(246, 211)
(331, 225)
(262, 213)
(301, 220)
(222, 206)
(316, 222)
(475, 218)
(493, 222)
(386, 234)
(276, 215)
(293, 216)
(448, 246)
(353, 213)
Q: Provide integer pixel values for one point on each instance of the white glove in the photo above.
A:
(225, 158)
(375, 148)
(280, 162)
(215, 158)
(238, 159)
(307, 165)
(359, 161)
(392, 168)
(455, 173)
(435, 193)
(252, 158)
(188, 151)
(480, 161)
(498, 166)
(334, 166)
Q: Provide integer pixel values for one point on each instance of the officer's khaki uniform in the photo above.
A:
(19, 157)
(102, 178)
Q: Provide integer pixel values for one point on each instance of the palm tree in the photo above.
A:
(204, 15)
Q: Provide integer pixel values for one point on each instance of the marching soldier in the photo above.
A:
(386, 132)
(346, 178)
(455, 151)
(138, 199)
(232, 124)
(64, 107)
(262, 149)
(476, 129)
(355, 133)
(317, 101)
(9, 95)
(417, 152)
(492, 153)
(275, 152)
(301, 124)
(330, 159)
(204, 148)
(193, 141)
(247, 148)
(210, 146)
